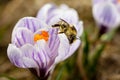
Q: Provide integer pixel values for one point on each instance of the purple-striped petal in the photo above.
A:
(102, 1)
(53, 42)
(69, 15)
(37, 53)
(39, 30)
(14, 55)
(42, 52)
(22, 36)
(49, 48)
(30, 23)
(98, 1)
(79, 28)
(17, 57)
(28, 50)
(106, 14)
(28, 63)
(45, 11)
(57, 12)
(63, 48)
(73, 48)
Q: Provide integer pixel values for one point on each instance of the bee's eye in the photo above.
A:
(73, 28)
(64, 26)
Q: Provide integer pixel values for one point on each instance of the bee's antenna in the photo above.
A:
(63, 20)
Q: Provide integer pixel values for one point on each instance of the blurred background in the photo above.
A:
(12, 10)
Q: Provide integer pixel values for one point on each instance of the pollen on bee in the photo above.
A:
(44, 35)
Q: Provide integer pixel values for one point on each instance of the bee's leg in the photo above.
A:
(56, 25)
(60, 32)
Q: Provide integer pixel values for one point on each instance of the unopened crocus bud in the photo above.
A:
(106, 14)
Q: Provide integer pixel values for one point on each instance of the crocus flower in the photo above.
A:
(107, 14)
(38, 46)
(34, 46)
(51, 14)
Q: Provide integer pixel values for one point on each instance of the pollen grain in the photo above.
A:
(44, 35)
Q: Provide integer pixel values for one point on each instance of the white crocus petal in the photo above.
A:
(73, 47)
(17, 57)
(79, 28)
(28, 50)
(106, 14)
(64, 7)
(44, 11)
(51, 68)
(14, 55)
(30, 23)
(118, 7)
(39, 31)
(101, 1)
(55, 16)
(29, 63)
(98, 1)
(63, 48)
(53, 42)
(54, 20)
(22, 36)
(70, 16)
(42, 51)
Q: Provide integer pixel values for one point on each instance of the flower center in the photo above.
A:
(44, 35)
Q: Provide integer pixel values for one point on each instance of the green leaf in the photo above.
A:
(8, 77)
(96, 55)
(60, 73)
(108, 36)
(85, 49)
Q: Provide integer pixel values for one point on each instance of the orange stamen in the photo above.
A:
(118, 1)
(44, 35)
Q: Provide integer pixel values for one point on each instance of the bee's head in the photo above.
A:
(64, 26)
(63, 23)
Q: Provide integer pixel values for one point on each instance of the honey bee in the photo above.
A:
(68, 29)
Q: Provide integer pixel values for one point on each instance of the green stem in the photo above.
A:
(85, 50)
(46, 78)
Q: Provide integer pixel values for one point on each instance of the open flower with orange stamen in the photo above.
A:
(107, 14)
(35, 46)
(52, 14)
(38, 46)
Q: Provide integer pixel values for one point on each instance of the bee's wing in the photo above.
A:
(77, 37)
